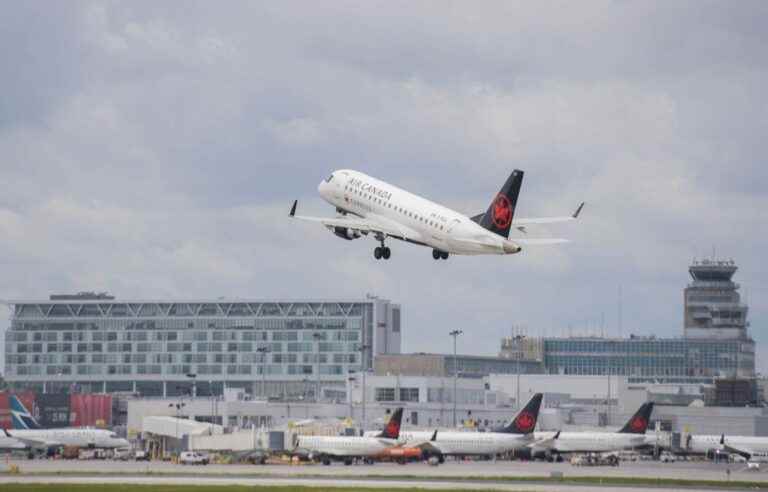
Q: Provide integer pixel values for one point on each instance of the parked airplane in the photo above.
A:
(27, 431)
(753, 449)
(367, 205)
(347, 448)
(8, 443)
(515, 435)
(631, 436)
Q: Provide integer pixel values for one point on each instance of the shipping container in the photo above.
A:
(52, 410)
(90, 410)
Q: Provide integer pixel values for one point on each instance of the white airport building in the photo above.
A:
(290, 349)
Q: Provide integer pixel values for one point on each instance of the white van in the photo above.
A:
(193, 458)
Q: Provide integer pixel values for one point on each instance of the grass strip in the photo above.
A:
(194, 488)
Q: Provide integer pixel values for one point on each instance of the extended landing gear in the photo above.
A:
(437, 254)
(382, 252)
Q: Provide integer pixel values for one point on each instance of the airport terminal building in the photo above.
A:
(715, 343)
(283, 348)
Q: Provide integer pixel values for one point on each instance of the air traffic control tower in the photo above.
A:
(713, 307)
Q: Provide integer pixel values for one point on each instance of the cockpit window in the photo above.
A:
(329, 178)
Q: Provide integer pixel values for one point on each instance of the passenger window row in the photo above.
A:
(397, 209)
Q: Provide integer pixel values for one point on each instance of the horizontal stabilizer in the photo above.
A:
(539, 241)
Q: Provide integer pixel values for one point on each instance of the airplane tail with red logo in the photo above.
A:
(525, 420)
(498, 217)
(392, 429)
(638, 423)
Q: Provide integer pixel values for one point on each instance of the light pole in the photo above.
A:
(178, 406)
(210, 395)
(263, 351)
(193, 377)
(350, 381)
(455, 334)
(362, 349)
(519, 355)
(317, 336)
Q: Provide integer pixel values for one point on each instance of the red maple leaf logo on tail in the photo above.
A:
(392, 428)
(525, 422)
(502, 212)
(638, 424)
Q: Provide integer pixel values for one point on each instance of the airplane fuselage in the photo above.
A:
(80, 437)
(591, 442)
(757, 447)
(470, 443)
(340, 447)
(414, 218)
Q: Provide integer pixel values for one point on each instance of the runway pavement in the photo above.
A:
(466, 475)
(685, 470)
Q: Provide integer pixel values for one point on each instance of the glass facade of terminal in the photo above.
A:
(667, 359)
(715, 343)
(154, 348)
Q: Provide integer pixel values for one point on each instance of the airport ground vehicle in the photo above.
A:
(595, 459)
(667, 457)
(193, 458)
(141, 455)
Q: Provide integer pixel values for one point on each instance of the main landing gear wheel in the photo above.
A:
(437, 254)
(382, 252)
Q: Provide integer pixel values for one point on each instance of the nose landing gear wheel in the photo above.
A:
(377, 253)
(444, 255)
(436, 254)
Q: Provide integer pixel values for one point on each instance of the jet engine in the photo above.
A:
(346, 233)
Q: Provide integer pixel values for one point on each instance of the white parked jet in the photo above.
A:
(631, 436)
(9, 443)
(367, 205)
(518, 434)
(32, 435)
(347, 448)
(753, 449)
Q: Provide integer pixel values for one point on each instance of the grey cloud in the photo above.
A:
(152, 150)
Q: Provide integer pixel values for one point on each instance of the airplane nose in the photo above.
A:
(321, 188)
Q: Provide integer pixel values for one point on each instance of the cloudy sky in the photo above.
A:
(153, 149)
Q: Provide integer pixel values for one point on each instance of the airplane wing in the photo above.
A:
(545, 443)
(36, 443)
(362, 225)
(427, 444)
(746, 452)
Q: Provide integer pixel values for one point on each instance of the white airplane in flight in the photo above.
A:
(27, 431)
(631, 436)
(347, 448)
(518, 434)
(366, 205)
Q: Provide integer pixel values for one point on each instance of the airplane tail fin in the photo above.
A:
(525, 420)
(638, 423)
(20, 416)
(498, 217)
(392, 429)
